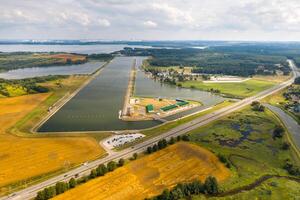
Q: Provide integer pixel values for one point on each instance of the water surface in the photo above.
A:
(84, 49)
(97, 106)
(86, 68)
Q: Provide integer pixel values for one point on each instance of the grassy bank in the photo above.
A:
(237, 90)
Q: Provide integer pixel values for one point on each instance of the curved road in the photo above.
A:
(31, 191)
(290, 123)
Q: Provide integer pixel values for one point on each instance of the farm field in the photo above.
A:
(150, 174)
(31, 156)
(238, 90)
(245, 138)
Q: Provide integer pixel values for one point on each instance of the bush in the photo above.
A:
(101, 170)
(211, 185)
(72, 183)
(278, 132)
(121, 162)
(256, 106)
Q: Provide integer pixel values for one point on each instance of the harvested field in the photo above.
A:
(67, 56)
(25, 158)
(151, 174)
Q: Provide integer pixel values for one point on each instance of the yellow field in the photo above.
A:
(24, 158)
(151, 174)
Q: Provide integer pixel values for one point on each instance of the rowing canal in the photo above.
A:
(96, 107)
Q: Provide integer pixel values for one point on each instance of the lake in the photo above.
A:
(96, 107)
(84, 49)
(86, 68)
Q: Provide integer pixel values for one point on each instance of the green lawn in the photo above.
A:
(240, 90)
(245, 138)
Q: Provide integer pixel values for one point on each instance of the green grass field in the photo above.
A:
(240, 90)
(245, 138)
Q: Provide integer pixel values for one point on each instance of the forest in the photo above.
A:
(240, 60)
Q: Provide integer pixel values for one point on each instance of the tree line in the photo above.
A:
(61, 187)
(161, 144)
(185, 190)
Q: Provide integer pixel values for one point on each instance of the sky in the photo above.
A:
(250, 20)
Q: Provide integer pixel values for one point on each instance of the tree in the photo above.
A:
(111, 166)
(72, 183)
(178, 138)
(285, 146)
(278, 132)
(101, 170)
(154, 148)
(121, 162)
(185, 138)
(93, 173)
(149, 150)
(40, 195)
(256, 106)
(50, 192)
(172, 140)
(61, 187)
(135, 155)
(211, 185)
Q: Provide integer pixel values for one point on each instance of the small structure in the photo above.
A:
(149, 108)
(170, 107)
(182, 103)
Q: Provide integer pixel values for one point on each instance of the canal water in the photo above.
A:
(86, 68)
(96, 107)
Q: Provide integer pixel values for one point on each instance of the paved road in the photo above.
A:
(31, 191)
(291, 124)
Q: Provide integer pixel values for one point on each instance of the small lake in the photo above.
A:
(96, 107)
(86, 68)
(84, 49)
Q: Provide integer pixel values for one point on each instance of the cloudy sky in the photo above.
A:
(151, 19)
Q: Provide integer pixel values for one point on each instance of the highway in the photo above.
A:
(30, 192)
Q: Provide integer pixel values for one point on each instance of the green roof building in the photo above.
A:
(149, 108)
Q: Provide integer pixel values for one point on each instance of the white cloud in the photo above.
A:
(150, 24)
(103, 22)
(165, 19)
(175, 15)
